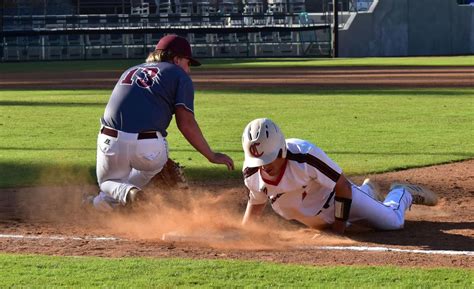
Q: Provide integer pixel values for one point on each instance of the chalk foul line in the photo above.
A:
(387, 249)
(328, 248)
(37, 237)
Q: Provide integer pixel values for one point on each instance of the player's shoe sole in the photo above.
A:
(135, 196)
(421, 195)
(375, 188)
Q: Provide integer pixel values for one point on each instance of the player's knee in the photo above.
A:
(394, 225)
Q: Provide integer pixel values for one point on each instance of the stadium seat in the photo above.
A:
(137, 39)
(216, 19)
(116, 52)
(34, 53)
(75, 52)
(286, 49)
(94, 52)
(11, 53)
(241, 50)
(115, 38)
(155, 37)
(174, 19)
(236, 19)
(201, 51)
(296, 6)
(266, 50)
(56, 53)
(259, 19)
(95, 39)
(202, 7)
(74, 39)
(135, 20)
(139, 7)
(277, 6)
(279, 18)
(199, 38)
(136, 52)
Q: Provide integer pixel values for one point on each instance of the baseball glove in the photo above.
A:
(171, 176)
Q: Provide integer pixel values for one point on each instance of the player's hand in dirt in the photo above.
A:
(339, 227)
(220, 158)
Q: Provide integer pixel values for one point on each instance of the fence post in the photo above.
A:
(335, 29)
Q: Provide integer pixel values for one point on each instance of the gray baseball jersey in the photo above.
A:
(145, 98)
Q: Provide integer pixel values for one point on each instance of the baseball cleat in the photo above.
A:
(87, 200)
(421, 195)
(135, 195)
(375, 189)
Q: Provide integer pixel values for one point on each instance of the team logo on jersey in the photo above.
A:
(144, 77)
(254, 151)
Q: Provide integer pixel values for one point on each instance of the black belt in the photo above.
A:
(141, 135)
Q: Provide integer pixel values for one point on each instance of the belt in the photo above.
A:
(141, 135)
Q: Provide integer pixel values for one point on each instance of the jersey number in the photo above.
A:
(144, 77)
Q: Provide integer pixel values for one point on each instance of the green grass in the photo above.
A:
(104, 65)
(67, 272)
(314, 62)
(49, 136)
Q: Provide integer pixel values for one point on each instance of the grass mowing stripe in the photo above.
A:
(104, 65)
(365, 131)
(38, 271)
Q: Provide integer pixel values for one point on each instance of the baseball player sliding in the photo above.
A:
(302, 183)
(131, 146)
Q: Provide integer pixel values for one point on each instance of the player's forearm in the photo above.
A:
(343, 188)
(343, 200)
(190, 129)
(252, 213)
(194, 136)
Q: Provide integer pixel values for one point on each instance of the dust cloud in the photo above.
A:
(205, 216)
(213, 219)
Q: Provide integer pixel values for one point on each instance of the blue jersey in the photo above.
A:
(145, 98)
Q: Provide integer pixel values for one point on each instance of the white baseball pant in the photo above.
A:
(125, 162)
(386, 215)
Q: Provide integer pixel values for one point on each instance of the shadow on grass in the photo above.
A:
(431, 235)
(26, 175)
(277, 91)
(22, 175)
(53, 104)
(212, 174)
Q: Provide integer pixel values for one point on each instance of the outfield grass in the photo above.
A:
(40, 271)
(49, 136)
(104, 65)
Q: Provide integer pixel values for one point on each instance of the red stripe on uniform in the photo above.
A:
(249, 171)
(316, 163)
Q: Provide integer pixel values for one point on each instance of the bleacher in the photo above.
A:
(229, 28)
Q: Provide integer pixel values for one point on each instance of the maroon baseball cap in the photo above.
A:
(179, 46)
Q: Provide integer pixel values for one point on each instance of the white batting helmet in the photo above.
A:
(263, 142)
